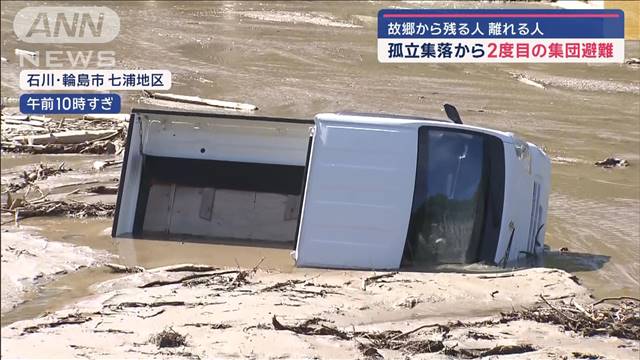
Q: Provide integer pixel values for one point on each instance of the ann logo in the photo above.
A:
(89, 24)
(74, 27)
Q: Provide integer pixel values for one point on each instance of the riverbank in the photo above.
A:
(204, 312)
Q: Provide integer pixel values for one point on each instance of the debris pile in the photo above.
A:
(43, 135)
(407, 342)
(42, 207)
(168, 338)
(612, 162)
(622, 320)
(123, 269)
(39, 172)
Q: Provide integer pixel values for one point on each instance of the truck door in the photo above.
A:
(358, 194)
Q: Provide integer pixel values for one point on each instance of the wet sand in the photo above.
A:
(222, 318)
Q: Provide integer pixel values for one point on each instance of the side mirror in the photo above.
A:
(452, 113)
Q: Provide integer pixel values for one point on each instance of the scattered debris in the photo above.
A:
(117, 268)
(39, 172)
(191, 268)
(66, 137)
(622, 320)
(612, 162)
(187, 278)
(479, 336)
(372, 353)
(152, 315)
(77, 318)
(43, 207)
(281, 285)
(113, 331)
(508, 350)
(311, 327)
(579, 355)
(201, 101)
(373, 279)
(103, 190)
(409, 302)
(632, 61)
(525, 80)
(168, 338)
(100, 165)
(136, 304)
(97, 147)
(44, 135)
(209, 325)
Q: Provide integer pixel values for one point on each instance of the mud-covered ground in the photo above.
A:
(206, 312)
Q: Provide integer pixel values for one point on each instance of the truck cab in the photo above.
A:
(344, 190)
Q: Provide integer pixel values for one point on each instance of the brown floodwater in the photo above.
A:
(296, 59)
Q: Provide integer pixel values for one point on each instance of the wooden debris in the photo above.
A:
(117, 268)
(66, 137)
(191, 268)
(201, 101)
(186, 278)
(39, 172)
(527, 81)
(209, 325)
(508, 350)
(311, 327)
(615, 298)
(612, 162)
(42, 135)
(621, 320)
(372, 279)
(103, 190)
(95, 147)
(77, 318)
(580, 355)
(113, 331)
(495, 276)
(478, 335)
(281, 285)
(530, 82)
(152, 315)
(136, 304)
(58, 207)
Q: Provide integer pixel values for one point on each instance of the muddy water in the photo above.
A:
(298, 59)
(148, 253)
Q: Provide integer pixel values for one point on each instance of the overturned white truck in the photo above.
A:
(345, 190)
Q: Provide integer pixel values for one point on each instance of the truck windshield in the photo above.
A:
(450, 197)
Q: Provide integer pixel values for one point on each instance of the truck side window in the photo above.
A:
(449, 198)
